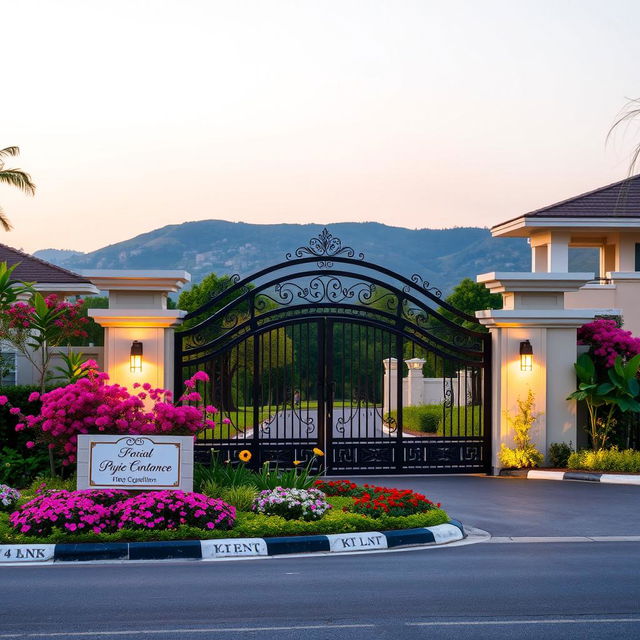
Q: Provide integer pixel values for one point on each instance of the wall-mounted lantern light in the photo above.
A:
(135, 357)
(526, 356)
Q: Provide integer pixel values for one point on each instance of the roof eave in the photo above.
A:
(525, 226)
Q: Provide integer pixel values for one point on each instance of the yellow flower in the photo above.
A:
(318, 452)
(245, 455)
(297, 462)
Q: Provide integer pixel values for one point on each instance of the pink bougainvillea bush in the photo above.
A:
(607, 341)
(172, 509)
(91, 405)
(106, 511)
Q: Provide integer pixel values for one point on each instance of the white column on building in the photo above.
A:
(138, 312)
(534, 310)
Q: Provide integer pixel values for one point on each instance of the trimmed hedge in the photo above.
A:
(423, 418)
(606, 460)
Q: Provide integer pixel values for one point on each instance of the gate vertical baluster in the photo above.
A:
(257, 381)
(321, 327)
(399, 448)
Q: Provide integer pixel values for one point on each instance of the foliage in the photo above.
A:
(603, 398)
(18, 468)
(90, 405)
(299, 477)
(52, 483)
(630, 112)
(8, 497)
(246, 525)
(94, 332)
(35, 327)
(607, 341)
(172, 509)
(378, 501)
(15, 178)
(525, 453)
(344, 488)
(424, 418)
(231, 473)
(220, 474)
(73, 369)
(559, 453)
(10, 291)
(241, 497)
(627, 460)
(291, 504)
(469, 296)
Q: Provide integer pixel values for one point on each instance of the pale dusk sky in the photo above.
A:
(131, 115)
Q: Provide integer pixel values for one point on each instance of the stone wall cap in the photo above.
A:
(526, 281)
(169, 280)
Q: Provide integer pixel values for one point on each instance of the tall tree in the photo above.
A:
(14, 177)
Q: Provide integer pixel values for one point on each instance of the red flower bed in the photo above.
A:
(343, 488)
(378, 501)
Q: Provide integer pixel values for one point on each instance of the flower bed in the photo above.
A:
(173, 515)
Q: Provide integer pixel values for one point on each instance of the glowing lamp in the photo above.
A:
(135, 357)
(526, 356)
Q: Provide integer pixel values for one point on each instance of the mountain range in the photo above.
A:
(441, 256)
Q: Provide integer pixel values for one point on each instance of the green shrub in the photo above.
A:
(606, 460)
(525, 453)
(52, 484)
(424, 418)
(240, 497)
(18, 467)
(559, 453)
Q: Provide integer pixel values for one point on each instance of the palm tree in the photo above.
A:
(14, 177)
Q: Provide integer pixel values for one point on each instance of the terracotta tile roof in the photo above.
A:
(618, 200)
(32, 269)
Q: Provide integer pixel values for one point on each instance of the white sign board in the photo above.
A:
(139, 462)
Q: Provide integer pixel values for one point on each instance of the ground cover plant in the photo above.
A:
(606, 460)
(291, 504)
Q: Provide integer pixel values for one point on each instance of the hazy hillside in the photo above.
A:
(442, 256)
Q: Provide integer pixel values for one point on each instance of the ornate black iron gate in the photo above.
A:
(328, 351)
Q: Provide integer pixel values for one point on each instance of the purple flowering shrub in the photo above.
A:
(291, 504)
(172, 509)
(607, 341)
(91, 405)
(108, 510)
(8, 497)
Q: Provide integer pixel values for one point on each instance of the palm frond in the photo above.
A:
(9, 151)
(18, 178)
(4, 221)
(630, 112)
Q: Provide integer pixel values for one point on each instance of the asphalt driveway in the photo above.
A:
(520, 507)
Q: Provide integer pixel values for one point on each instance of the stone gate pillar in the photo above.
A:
(138, 313)
(534, 310)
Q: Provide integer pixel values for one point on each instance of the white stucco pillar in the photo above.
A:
(558, 252)
(138, 312)
(534, 310)
(415, 382)
(390, 396)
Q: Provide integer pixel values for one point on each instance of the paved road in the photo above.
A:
(551, 590)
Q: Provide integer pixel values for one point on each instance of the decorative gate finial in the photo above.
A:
(325, 245)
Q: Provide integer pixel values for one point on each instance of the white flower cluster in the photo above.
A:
(302, 504)
(8, 496)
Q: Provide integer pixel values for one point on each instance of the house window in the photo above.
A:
(7, 368)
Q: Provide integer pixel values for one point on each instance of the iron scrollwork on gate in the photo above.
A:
(314, 353)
